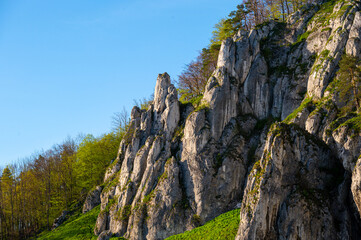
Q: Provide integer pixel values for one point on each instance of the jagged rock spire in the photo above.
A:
(161, 91)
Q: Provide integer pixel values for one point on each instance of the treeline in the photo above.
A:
(35, 191)
(249, 14)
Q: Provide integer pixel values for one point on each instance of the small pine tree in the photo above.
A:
(349, 86)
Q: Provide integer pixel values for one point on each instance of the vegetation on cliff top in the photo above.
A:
(249, 14)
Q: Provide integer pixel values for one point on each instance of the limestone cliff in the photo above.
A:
(180, 166)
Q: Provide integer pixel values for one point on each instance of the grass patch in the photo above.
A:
(326, 12)
(322, 16)
(306, 103)
(327, 29)
(324, 54)
(148, 198)
(300, 39)
(202, 106)
(178, 132)
(78, 226)
(163, 177)
(223, 227)
(111, 202)
(353, 124)
(124, 213)
(303, 36)
(111, 184)
(195, 101)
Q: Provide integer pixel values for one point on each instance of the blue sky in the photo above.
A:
(67, 66)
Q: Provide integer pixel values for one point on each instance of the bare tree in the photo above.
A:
(120, 120)
(144, 102)
(192, 81)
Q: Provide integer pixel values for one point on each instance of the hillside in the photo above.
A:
(80, 226)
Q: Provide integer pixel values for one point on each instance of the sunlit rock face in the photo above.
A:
(179, 166)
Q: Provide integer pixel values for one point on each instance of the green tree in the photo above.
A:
(349, 77)
(223, 30)
(8, 190)
(143, 103)
(120, 121)
(93, 156)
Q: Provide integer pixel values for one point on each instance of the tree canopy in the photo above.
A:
(349, 85)
(93, 156)
(34, 192)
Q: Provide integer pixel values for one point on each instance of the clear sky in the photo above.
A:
(66, 66)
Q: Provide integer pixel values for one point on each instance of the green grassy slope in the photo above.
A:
(80, 226)
(223, 227)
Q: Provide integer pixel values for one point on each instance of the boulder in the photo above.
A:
(93, 199)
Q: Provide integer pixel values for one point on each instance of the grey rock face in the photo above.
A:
(177, 163)
(172, 169)
(161, 92)
(144, 155)
(356, 185)
(337, 37)
(101, 223)
(59, 220)
(348, 146)
(353, 46)
(105, 235)
(256, 88)
(93, 199)
(289, 188)
(109, 174)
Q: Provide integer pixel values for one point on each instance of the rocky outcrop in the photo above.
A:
(174, 170)
(180, 165)
(105, 235)
(59, 220)
(331, 39)
(291, 189)
(353, 46)
(356, 185)
(93, 199)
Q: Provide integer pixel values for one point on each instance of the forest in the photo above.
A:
(34, 191)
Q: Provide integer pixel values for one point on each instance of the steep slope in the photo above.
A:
(78, 226)
(181, 166)
(223, 227)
